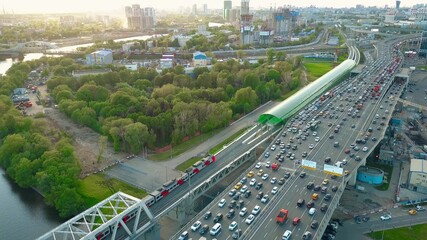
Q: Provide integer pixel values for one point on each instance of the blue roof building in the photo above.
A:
(199, 59)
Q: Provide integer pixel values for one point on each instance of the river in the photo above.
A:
(23, 213)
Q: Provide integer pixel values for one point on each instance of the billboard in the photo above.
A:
(330, 169)
(308, 164)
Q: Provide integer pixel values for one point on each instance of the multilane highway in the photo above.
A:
(315, 145)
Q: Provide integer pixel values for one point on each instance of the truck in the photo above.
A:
(281, 217)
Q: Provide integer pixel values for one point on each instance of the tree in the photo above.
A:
(136, 136)
(252, 80)
(241, 54)
(270, 55)
(102, 145)
(245, 100)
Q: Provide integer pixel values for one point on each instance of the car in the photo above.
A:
(347, 151)
(250, 174)
(243, 180)
(358, 158)
(232, 192)
(334, 188)
(215, 229)
(248, 194)
(222, 203)
(324, 189)
(310, 204)
(183, 236)
(281, 181)
(302, 175)
(237, 234)
(296, 221)
(204, 229)
(267, 154)
(264, 176)
(196, 226)
(287, 235)
(314, 133)
(260, 173)
(353, 125)
(232, 204)
(274, 190)
(258, 186)
(325, 181)
(312, 211)
(327, 197)
(310, 185)
(314, 196)
(231, 213)
(356, 148)
(412, 212)
(346, 172)
(307, 235)
(287, 175)
(328, 159)
(300, 202)
(218, 217)
(344, 161)
(244, 189)
(233, 225)
(273, 147)
(267, 164)
(311, 146)
(250, 219)
(256, 210)
(273, 180)
(259, 195)
(385, 217)
(314, 224)
(420, 208)
(258, 165)
(265, 198)
(238, 186)
(324, 207)
(252, 182)
(243, 212)
(207, 215)
(365, 149)
(237, 196)
(304, 154)
(317, 139)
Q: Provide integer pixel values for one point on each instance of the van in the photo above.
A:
(215, 229)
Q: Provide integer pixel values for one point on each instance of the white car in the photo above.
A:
(232, 226)
(222, 203)
(312, 211)
(273, 180)
(264, 198)
(365, 149)
(244, 189)
(311, 146)
(385, 217)
(287, 235)
(258, 165)
(265, 176)
(314, 133)
(273, 148)
(317, 139)
(196, 226)
(250, 219)
(252, 182)
(274, 190)
(243, 212)
(256, 210)
(267, 164)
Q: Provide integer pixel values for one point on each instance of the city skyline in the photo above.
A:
(55, 6)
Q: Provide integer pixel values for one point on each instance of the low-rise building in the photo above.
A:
(417, 180)
(199, 59)
(101, 57)
(80, 73)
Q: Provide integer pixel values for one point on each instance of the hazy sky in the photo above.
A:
(63, 6)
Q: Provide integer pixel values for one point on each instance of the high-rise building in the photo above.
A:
(397, 4)
(140, 19)
(205, 8)
(228, 5)
(246, 24)
(194, 9)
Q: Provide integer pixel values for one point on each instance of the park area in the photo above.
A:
(416, 232)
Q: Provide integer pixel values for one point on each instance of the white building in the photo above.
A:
(199, 59)
(417, 179)
(101, 57)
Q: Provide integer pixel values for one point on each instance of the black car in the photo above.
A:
(324, 207)
(324, 189)
(287, 175)
(232, 204)
(281, 181)
(258, 186)
(237, 196)
(317, 188)
(231, 213)
(259, 195)
(207, 215)
(310, 185)
(248, 194)
(218, 217)
(334, 188)
(302, 175)
(204, 229)
(314, 224)
(300, 202)
(327, 197)
(240, 204)
(237, 234)
(327, 160)
(310, 204)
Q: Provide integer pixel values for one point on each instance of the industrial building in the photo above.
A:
(101, 57)
(423, 46)
(199, 59)
(370, 175)
(417, 180)
(228, 5)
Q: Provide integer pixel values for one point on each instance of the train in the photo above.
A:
(171, 185)
(107, 231)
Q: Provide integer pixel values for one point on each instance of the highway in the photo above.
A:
(317, 144)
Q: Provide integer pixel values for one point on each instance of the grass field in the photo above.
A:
(416, 232)
(184, 146)
(97, 187)
(317, 69)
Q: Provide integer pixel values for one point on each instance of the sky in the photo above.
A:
(71, 6)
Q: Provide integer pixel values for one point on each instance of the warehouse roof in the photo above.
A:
(418, 165)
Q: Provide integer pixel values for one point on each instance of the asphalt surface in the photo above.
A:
(264, 225)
